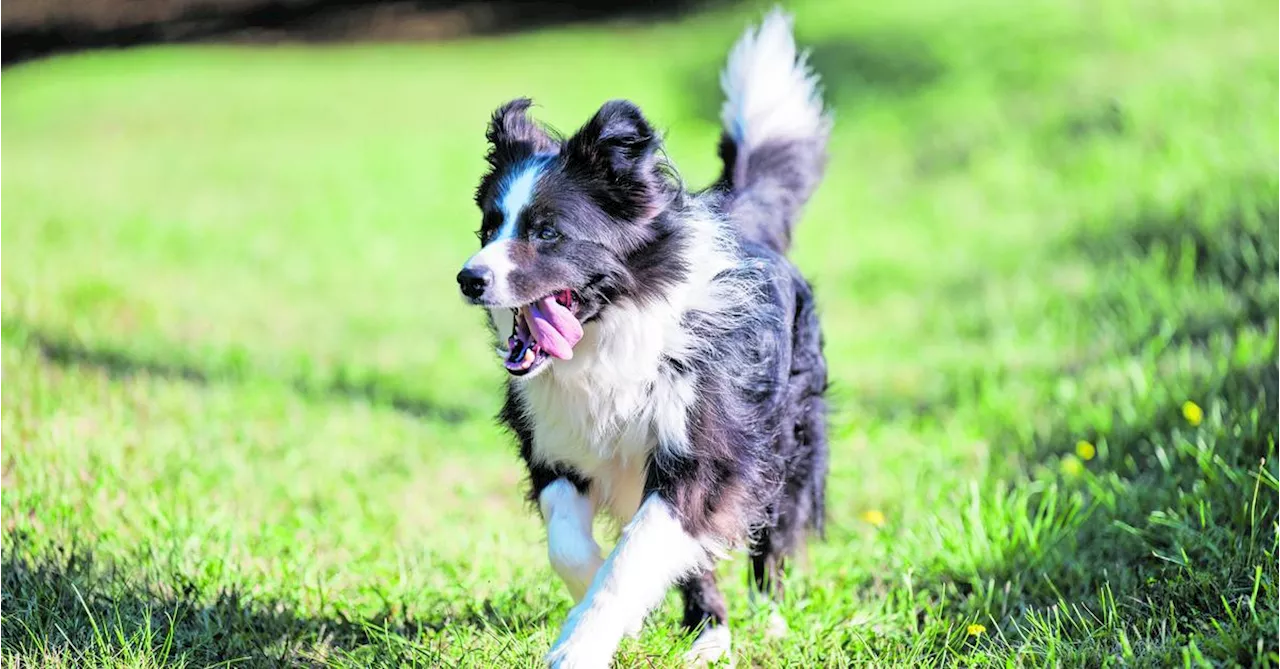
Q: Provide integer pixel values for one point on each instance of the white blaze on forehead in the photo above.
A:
(517, 191)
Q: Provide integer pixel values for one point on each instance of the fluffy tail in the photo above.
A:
(775, 132)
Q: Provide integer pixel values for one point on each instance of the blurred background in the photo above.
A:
(35, 28)
(247, 418)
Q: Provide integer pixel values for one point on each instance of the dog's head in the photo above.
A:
(563, 222)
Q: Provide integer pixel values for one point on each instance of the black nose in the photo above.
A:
(474, 281)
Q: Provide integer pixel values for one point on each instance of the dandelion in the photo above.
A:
(1071, 466)
(873, 517)
(976, 629)
(1085, 450)
(1192, 412)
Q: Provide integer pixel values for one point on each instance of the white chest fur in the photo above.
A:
(608, 409)
(605, 411)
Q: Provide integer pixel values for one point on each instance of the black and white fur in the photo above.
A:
(692, 409)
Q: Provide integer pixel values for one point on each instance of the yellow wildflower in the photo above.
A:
(1071, 466)
(1085, 450)
(975, 629)
(873, 517)
(1192, 412)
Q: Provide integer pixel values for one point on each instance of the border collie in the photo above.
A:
(664, 357)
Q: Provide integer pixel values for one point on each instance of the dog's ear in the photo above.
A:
(617, 140)
(513, 135)
(618, 149)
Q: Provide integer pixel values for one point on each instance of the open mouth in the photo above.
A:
(544, 329)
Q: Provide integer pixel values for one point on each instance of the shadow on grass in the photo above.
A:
(1234, 249)
(853, 70)
(69, 604)
(1169, 534)
(66, 351)
(865, 67)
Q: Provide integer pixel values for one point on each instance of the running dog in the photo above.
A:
(664, 356)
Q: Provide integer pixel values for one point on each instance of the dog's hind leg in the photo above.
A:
(767, 570)
(705, 613)
(802, 505)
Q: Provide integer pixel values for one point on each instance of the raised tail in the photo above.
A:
(775, 132)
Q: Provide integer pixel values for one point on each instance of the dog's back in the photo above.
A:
(774, 151)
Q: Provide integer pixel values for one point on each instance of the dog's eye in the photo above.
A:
(492, 221)
(547, 233)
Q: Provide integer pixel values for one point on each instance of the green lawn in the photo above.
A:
(248, 420)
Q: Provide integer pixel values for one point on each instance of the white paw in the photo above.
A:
(580, 647)
(776, 627)
(711, 647)
(580, 654)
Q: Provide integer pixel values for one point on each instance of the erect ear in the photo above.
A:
(617, 140)
(512, 134)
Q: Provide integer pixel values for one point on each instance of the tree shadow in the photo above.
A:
(1107, 119)
(69, 603)
(1233, 247)
(1160, 508)
(1162, 515)
(117, 363)
(882, 64)
(853, 70)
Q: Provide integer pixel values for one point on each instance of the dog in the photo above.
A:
(664, 357)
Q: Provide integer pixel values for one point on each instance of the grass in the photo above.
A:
(247, 421)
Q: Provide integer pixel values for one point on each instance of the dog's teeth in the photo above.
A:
(528, 355)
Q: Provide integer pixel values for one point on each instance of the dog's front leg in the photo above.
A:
(571, 546)
(653, 553)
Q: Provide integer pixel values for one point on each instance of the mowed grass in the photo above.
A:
(248, 421)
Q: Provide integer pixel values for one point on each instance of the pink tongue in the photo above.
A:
(554, 327)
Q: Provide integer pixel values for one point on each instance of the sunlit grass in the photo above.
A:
(246, 419)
